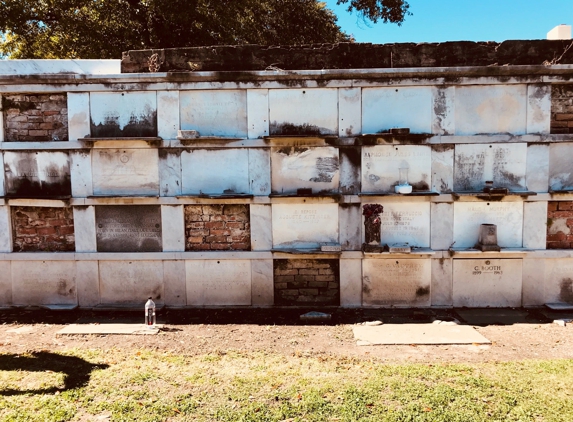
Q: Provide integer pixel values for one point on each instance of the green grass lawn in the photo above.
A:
(240, 386)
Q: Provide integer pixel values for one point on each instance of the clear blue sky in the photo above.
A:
(463, 20)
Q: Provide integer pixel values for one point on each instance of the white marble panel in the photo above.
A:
(173, 228)
(218, 283)
(396, 107)
(535, 225)
(44, 283)
(167, 114)
(396, 283)
(508, 216)
(261, 227)
(263, 290)
(505, 164)
(537, 177)
(316, 168)
(169, 172)
(559, 281)
(175, 286)
(5, 283)
(257, 113)
(215, 112)
(442, 168)
(561, 166)
(350, 170)
(304, 225)
(349, 111)
(2, 190)
(443, 116)
(442, 225)
(303, 111)
(215, 171)
(36, 174)
(442, 282)
(350, 229)
(5, 229)
(1, 121)
(533, 293)
(260, 171)
(125, 172)
(127, 114)
(538, 108)
(78, 115)
(406, 222)
(81, 174)
(131, 282)
(87, 283)
(381, 166)
(85, 228)
(350, 283)
(492, 283)
(491, 109)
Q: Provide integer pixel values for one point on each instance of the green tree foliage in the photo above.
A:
(394, 11)
(105, 28)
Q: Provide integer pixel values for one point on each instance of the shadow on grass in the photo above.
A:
(76, 371)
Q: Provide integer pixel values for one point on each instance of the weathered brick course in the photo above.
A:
(38, 229)
(560, 225)
(298, 282)
(35, 118)
(217, 227)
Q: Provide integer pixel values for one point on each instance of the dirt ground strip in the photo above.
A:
(515, 334)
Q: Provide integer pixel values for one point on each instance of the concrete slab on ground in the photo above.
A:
(417, 334)
(561, 306)
(21, 330)
(494, 316)
(82, 329)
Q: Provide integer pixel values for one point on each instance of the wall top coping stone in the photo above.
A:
(510, 74)
(79, 67)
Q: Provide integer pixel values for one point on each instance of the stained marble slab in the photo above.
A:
(218, 282)
(128, 228)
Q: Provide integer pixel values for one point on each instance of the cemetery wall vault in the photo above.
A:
(253, 187)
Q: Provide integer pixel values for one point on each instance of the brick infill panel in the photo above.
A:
(298, 282)
(39, 229)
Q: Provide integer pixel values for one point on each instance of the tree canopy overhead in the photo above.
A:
(99, 29)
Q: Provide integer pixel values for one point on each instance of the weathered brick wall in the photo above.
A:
(562, 109)
(307, 281)
(39, 229)
(217, 227)
(560, 225)
(35, 117)
(349, 56)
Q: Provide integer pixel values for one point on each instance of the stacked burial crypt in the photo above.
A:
(252, 180)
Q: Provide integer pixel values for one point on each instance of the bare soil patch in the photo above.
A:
(531, 335)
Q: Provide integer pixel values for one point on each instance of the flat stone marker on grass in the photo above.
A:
(389, 334)
(83, 329)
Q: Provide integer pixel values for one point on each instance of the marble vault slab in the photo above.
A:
(391, 282)
(128, 228)
(505, 164)
(214, 112)
(304, 225)
(406, 222)
(44, 283)
(130, 282)
(293, 168)
(218, 283)
(125, 172)
(123, 114)
(507, 216)
(381, 166)
(37, 174)
(487, 282)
